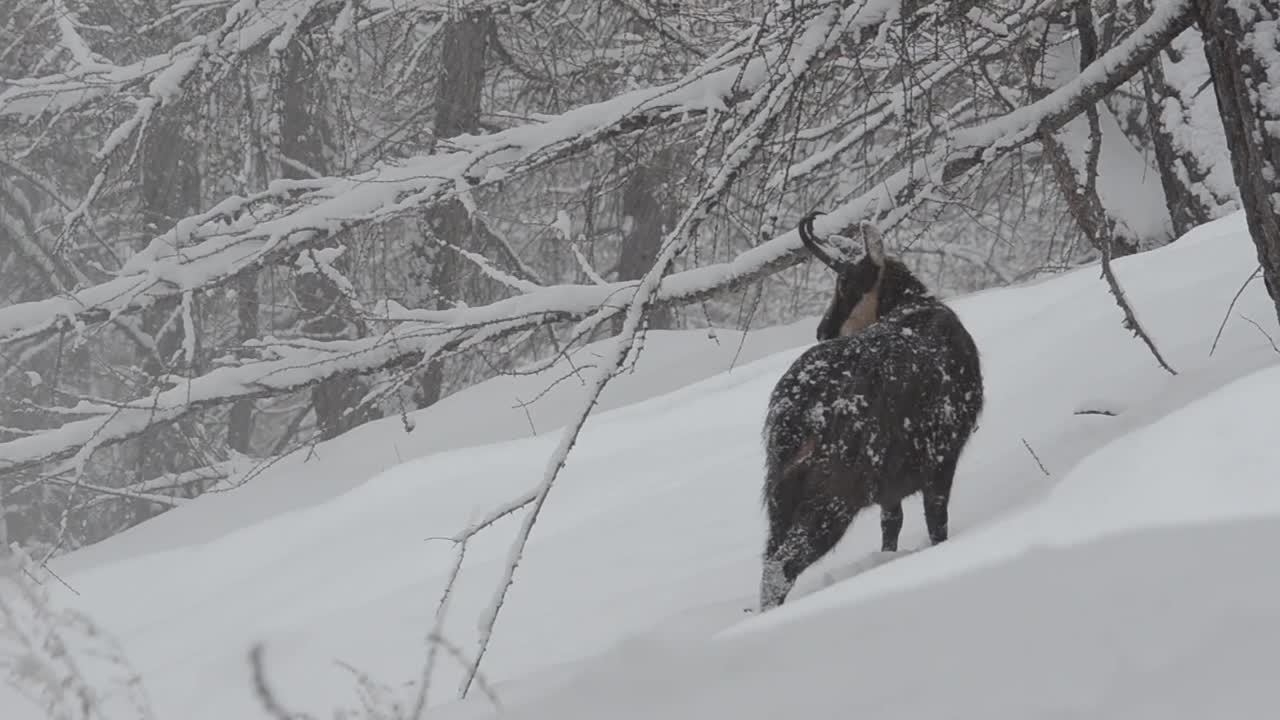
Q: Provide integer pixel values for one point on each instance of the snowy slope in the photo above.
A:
(504, 408)
(1142, 586)
(1084, 588)
(1162, 624)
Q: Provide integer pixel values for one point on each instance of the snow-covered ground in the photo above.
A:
(1130, 577)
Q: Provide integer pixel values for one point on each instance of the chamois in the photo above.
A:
(878, 410)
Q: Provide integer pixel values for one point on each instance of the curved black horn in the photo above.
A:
(813, 244)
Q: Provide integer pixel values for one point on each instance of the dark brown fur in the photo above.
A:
(877, 411)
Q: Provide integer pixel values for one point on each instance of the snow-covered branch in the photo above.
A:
(975, 146)
(425, 333)
(418, 333)
(242, 233)
(151, 490)
(248, 25)
(971, 148)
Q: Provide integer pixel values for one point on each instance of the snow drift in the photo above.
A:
(1109, 565)
(1162, 623)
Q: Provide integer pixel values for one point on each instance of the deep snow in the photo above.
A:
(1176, 622)
(1133, 579)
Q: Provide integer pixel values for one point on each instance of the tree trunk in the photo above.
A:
(1241, 43)
(304, 137)
(1185, 209)
(646, 217)
(464, 47)
(169, 180)
(240, 420)
(254, 169)
(1183, 158)
(4, 523)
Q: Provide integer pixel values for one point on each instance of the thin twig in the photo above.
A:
(1265, 334)
(437, 630)
(266, 696)
(1226, 315)
(1035, 457)
(1130, 319)
(457, 654)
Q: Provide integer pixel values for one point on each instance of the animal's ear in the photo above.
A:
(874, 241)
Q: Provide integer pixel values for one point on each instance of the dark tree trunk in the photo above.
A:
(463, 49)
(646, 217)
(304, 137)
(169, 173)
(240, 421)
(1182, 171)
(169, 180)
(4, 523)
(1185, 208)
(1241, 44)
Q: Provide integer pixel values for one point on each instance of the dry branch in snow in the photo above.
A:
(1079, 183)
(59, 658)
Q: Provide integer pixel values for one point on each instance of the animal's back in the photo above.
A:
(887, 406)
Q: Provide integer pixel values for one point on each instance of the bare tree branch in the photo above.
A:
(425, 333)
(240, 233)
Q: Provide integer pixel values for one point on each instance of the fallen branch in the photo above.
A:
(1103, 232)
(1130, 317)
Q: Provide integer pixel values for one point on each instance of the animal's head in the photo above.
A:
(868, 287)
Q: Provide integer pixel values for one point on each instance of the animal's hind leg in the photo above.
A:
(890, 526)
(937, 498)
(816, 526)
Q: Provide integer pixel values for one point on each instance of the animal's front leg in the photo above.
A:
(774, 584)
(890, 526)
